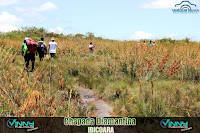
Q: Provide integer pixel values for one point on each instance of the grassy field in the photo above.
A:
(143, 81)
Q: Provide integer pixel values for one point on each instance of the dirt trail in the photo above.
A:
(88, 96)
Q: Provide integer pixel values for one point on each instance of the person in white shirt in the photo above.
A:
(52, 47)
(144, 43)
(138, 43)
(91, 47)
(154, 43)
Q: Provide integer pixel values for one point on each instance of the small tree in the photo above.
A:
(89, 35)
(187, 40)
(79, 35)
(69, 36)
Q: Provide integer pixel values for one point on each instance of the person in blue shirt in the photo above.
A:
(150, 44)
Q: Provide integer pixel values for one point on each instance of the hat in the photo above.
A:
(26, 38)
(52, 38)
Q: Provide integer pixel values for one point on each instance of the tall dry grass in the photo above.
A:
(135, 80)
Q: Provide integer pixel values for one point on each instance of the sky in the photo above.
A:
(111, 19)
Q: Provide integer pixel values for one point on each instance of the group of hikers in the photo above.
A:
(151, 43)
(30, 48)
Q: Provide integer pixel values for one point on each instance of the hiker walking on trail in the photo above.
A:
(42, 48)
(138, 43)
(144, 43)
(24, 51)
(150, 43)
(154, 43)
(52, 47)
(32, 47)
(91, 47)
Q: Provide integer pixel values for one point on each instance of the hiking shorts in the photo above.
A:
(52, 54)
(26, 57)
(91, 50)
(31, 56)
(41, 54)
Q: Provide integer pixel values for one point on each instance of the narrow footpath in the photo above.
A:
(88, 96)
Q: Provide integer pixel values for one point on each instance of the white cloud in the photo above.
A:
(19, 9)
(8, 2)
(7, 18)
(47, 6)
(161, 4)
(57, 30)
(32, 18)
(141, 35)
(7, 27)
(175, 36)
(65, 31)
(171, 36)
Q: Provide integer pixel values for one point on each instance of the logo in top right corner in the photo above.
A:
(185, 7)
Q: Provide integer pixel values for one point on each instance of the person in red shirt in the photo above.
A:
(32, 47)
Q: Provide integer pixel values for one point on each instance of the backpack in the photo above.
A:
(42, 47)
(31, 46)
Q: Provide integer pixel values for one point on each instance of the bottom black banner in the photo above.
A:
(99, 125)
